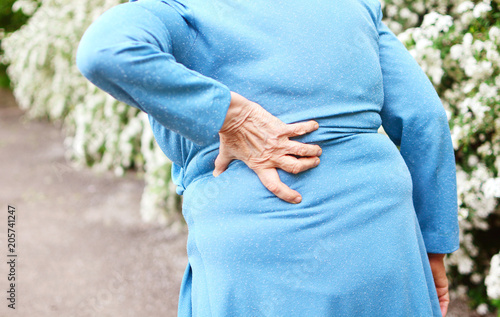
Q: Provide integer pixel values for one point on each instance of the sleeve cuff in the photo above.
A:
(441, 243)
(208, 133)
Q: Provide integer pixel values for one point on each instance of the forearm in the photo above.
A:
(415, 119)
(128, 52)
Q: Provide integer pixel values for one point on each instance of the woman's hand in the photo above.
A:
(253, 135)
(440, 280)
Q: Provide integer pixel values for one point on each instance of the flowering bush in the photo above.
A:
(10, 20)
(101, 132)
(456, 42)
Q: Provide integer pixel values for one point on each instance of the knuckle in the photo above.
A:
(302, 151)
(262, 160)
(295, 168)
(274, 161)
(289, 196)
(313, 151)
(273, 187)
(271, 144)
(256, 165)
(297, 129)
(252, 165)
(218, 161)
(282, 143)
(283, 131)
(297, 150)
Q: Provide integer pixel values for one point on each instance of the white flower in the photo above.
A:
(444, 23)
(482, 309)
(492, 281)
(467, 40)
(481, 9)
(28, 7)
(476, 278)
(492, 188)
(405, 13)
(418, 7)
(430, 19)
(465, 6)
(434, 23)
(466, 17)
(473, 160)
(395, 27)
(468, 87)
(478, 45)
(487, 91)
(465, 265)
(391, 10)
(405, 36)
(494, 33)
(456, 51)
(423, 43)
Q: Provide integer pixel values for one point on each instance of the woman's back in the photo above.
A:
(299, 60)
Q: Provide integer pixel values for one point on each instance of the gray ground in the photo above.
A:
(82, 248)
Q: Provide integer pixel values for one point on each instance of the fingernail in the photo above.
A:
(298, 199)
(316, 162)
(319, 152)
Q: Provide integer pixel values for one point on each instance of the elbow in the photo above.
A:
(94, 53)
(86, 62)
(89, 59)
(431, 115)
(437, 117)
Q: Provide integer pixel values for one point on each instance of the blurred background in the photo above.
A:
(99, 230)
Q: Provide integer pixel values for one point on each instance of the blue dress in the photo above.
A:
(357, 244)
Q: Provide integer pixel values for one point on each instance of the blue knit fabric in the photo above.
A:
(357, 243)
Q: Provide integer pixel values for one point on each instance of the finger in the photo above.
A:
(300, 128)
(221, 163)
(440, 281)
(271, 180)
(303, 149)
(444, 301)
(296, 165)
(444, 307)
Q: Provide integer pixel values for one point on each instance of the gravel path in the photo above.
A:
(82, 248)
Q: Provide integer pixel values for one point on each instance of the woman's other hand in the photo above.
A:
(440, 280)
(253, 135)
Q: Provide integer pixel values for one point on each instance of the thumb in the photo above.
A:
(221, 163)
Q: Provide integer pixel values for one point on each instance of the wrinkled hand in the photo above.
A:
(253, 135)
(440, 280)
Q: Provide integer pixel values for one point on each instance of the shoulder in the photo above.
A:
(162, 7)
(374, 7)
(176, 17)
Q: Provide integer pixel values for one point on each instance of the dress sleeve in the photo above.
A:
(415, 120)
(129, 53)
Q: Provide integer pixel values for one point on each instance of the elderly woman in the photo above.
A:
(245, 98)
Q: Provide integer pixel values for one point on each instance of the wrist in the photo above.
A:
(436, 256)
(238, 111)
